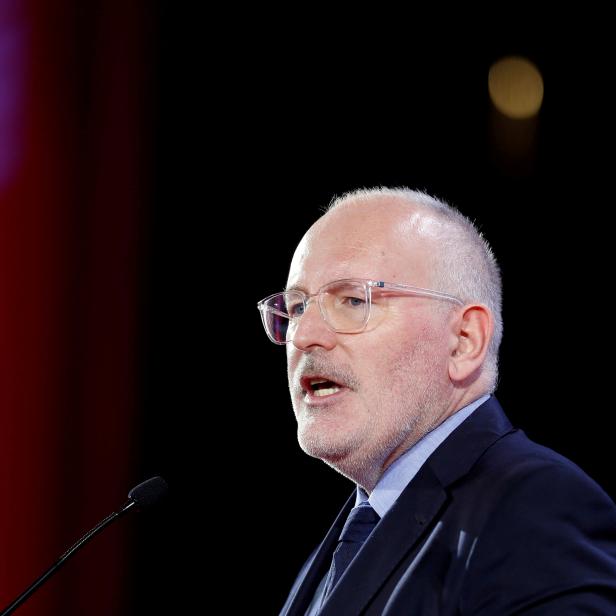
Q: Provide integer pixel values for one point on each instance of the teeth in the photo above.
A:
(325, 392)
(318, 391)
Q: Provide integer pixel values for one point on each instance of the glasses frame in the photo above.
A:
(368, 284)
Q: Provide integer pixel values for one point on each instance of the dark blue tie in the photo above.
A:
(360, 523)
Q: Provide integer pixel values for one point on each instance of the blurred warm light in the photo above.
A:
(516, 87)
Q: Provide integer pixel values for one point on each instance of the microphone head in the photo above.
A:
(149, 493)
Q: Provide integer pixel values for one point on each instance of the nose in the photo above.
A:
(311, 330)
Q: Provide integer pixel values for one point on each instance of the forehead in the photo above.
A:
(381, 240)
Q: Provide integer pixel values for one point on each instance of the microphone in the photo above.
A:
(141, 497)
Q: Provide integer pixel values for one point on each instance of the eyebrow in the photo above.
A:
(296, 288)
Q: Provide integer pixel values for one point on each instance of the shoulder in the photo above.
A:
(521, 485)
(487, 447)
(548, 532)
(527, 469)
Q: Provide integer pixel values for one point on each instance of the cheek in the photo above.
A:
(407, 358)
(378, 367)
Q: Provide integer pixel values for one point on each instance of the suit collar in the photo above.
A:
(459, 452)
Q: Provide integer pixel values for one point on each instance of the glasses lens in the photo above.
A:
(276, 314)
(345, 305)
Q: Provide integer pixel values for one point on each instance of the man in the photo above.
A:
(391, 320)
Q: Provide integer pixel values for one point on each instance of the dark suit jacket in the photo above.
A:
(492, 524)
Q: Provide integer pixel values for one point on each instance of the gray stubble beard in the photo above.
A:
(415, 379)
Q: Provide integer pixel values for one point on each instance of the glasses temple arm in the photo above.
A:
(418, 291)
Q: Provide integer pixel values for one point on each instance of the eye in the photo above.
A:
(296, 309)
(353, 302)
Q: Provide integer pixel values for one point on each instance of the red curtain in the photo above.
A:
(73, 178)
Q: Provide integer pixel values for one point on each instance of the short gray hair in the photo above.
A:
(465, 266)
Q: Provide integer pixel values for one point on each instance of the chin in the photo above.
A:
(343, 456)
(323, 444)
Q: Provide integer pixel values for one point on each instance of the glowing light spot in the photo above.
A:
(516, 87)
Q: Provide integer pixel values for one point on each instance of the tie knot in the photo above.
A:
(360, 523)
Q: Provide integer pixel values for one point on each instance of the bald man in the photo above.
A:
(392, 322)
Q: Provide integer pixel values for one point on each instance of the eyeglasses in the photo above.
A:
(345, 306)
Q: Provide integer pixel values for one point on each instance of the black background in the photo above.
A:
(259, 124)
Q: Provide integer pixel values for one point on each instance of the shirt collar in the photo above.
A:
(402, 471)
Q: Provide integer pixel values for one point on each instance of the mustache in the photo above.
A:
(324, 367)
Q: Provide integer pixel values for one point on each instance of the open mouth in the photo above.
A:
(324, 388)
(319, 387)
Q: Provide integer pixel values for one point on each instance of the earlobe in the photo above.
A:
(471, 335)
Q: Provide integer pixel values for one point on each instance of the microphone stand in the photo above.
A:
(70, 552)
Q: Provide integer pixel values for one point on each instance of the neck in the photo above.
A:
(366, 471)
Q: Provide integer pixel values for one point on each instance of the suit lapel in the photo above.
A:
(317, 566)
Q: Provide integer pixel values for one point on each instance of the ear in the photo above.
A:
(471, 332)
